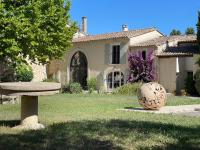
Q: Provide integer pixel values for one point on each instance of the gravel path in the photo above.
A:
(187, 110)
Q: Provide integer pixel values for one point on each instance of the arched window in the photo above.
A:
(115, 79)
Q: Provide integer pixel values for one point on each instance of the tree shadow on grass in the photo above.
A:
(102, 134)
(9, 123)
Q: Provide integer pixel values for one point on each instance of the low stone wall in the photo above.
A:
(39, 72)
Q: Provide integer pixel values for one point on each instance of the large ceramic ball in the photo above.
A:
(152, 96)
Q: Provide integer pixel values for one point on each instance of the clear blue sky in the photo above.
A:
(108, 15)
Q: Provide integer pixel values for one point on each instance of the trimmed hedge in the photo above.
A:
(75, 88)
(92, 84)
(127, 89)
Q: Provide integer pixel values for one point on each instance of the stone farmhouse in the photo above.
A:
(104, 57)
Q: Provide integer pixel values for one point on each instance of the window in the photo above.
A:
(115, 54)
(115, 79)
(144, 55)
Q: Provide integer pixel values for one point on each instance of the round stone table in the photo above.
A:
(29, 92)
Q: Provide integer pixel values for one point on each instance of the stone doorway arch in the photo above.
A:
(79, 69)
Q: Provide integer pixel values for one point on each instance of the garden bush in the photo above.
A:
(24, 73)
(75, 88)
(197, 80)
(127, 89)
(66, 88)
(92, 84)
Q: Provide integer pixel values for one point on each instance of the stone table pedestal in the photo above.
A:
(29, 92)
(29, 112)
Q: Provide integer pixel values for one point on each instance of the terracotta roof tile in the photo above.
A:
(194, 49)
(114, 35)
(164, 39)
(171, 54)
(175, 51)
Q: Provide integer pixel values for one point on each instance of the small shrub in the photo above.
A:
(75, 88)
(24, 73)
(127, 89)
(92, 84)
(50, 80)
(190, 86)
(197, 80)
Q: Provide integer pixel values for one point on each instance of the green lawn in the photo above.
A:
(93, 122)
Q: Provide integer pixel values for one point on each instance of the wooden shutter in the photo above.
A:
(107, 54)
(126, 75)
(123, 53)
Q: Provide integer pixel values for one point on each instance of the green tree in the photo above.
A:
(198, 30)
(197, 74)
(40, 30)
(198, 36)
(190, 31)
(175, 32)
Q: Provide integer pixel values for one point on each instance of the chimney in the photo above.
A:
(124, 27)
(84, 25)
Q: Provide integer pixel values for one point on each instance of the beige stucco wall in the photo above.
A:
(98, 68)
(195, 66)
(147, 36)
(162, 47)
(167, 73)
(95, 54)
(143, 48)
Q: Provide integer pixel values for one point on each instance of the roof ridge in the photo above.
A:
(121, 34)
(162, 39)
(191, 35)
(124, 31)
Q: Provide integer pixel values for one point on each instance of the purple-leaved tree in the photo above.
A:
(141, 70)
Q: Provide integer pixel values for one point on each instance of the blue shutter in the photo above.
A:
(107, 54)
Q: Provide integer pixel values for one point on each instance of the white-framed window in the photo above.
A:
(115, 55)
(115, 79)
